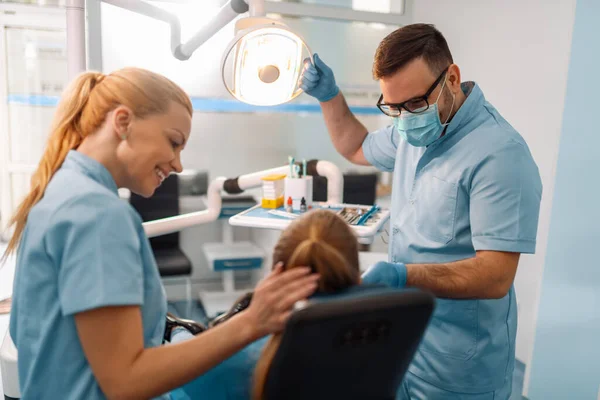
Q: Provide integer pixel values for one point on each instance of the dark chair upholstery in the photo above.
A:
(164, 203)
(357, 345)
(358, 188)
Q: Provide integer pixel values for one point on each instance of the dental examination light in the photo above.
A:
(266, 59)
(260, 66)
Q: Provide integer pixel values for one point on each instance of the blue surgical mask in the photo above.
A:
(424, 128)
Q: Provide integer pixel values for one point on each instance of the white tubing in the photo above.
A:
(175, 224)
(335, 189)
(335, 181)
(253, 180)
(76, 58)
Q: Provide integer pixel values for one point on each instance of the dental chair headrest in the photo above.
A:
(356, 344)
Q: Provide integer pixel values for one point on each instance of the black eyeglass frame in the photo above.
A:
(402, 106)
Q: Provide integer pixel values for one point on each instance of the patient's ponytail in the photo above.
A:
(324, 242)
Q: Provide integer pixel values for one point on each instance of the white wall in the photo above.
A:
(518, 51)
(570, 295)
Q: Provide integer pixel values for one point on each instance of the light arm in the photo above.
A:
(183, 51)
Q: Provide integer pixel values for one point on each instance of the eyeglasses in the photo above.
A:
(415, 105)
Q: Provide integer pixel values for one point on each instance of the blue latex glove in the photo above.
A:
(390, 274)
(318, 81)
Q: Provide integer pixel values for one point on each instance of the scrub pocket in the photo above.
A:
(452, 331)
(435, 208)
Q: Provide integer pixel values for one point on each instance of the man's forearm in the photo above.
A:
(479, 277)
(346, 131)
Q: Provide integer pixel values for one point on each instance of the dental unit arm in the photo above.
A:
(335, 189)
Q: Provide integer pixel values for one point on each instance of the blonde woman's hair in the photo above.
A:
(323, 241)
(81, 111)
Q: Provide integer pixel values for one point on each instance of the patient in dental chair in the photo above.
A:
(319, 239)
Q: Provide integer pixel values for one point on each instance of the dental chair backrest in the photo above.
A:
(354, 345)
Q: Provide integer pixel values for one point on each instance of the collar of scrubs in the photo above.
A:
(466, 112)
(92, 168)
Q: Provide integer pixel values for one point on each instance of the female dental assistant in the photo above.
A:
(89, 309)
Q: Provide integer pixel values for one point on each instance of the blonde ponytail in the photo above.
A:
(261, 371)
(81, 111)
(329, 262)
(65, 135)
(324, 242)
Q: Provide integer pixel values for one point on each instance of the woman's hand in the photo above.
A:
(275, 296)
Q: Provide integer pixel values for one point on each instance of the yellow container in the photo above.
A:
(272, 191)
(272, 203)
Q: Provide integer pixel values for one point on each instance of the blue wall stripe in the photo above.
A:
(207, 104)
(33, 100)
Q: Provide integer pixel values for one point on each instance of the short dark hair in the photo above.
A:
(409, 43)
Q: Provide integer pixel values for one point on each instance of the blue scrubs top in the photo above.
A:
(475, 188)
(82, 248)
